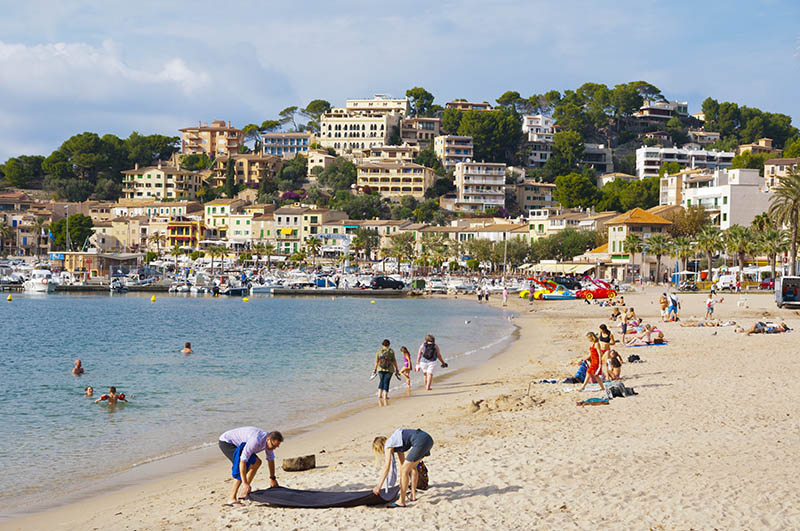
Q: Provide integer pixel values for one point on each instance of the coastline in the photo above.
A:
(196, 460)
(698, 447)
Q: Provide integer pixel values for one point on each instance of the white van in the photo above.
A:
(726, 282)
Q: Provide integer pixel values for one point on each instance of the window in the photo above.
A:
(725, 200)
(724, 217)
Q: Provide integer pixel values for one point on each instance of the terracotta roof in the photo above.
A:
(783, 161)
(603, 249)
(217, 202)
(638, 216)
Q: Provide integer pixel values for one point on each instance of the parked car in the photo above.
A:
(568, 282)
(726, 282)
(687, 285)
(386, 283)
(767, 284)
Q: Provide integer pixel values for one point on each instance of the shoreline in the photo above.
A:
(197, 459)
(693, 449)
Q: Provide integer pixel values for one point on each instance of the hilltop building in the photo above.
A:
(216, 139)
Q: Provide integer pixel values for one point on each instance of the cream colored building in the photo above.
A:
(216, 216)
(294, 225)
(420, 130)
(774, 169)
(160, 182)
(318, 158)
(214, 140)
(643, 224)
(452, 149)
(263, 228)
(468, 105)
(406, 153)
(102, 237)
(396, 179)
(250, 168)
(240, 227)
(606, 178)
(345, 130)
(380, 103)
(762, 145)
(535, 195)
(480, 185)
(131, 233)
(128, 208)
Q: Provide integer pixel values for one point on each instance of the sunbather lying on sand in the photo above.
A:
(642, 338)
(765, 328)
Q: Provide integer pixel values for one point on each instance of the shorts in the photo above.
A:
(663, 312)
(710, 310)
(672, 309)
(421, 444)
(384, 378)
(624, 327)
(228, 449)
(426, 366)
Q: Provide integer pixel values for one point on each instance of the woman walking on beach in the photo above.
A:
(418, 444)
(427, 356)
(385, 366)
(593, 359)
(406, 370)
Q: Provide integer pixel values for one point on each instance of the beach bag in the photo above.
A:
(422, 476)
(633, 358)
(429, 352)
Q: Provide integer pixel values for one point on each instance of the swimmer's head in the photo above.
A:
(112, 390)
(188, 345)
(89, 390)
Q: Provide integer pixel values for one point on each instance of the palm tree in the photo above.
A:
(269, 249)
(6, 232)
(681, 249)
(216, 251)
(784, 208)
(658, 245)
(709, 241)
(313, 245)
(762, 222)
(774, 242)
(370, 239)
(737, 242)
(258, 248)
(402, 246)
(633, 244)
(158, 239)
(357, 245)
(176, 252)
(38, 228)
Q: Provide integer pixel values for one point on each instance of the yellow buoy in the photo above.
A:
(245, 300)
(10, 298)
(333, 298)
(372, 302)
(153, 298)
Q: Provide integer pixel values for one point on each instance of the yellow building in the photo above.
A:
(250, 168)
(185, 232)
(263, 228)
(396, 179)
(532, 195)
(213, 140)
(160, 182)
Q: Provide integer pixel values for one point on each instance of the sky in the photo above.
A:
(154, 66)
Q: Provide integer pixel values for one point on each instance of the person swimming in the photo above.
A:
(112, 397)
(77, 370)
(88, 390)
(187, 349)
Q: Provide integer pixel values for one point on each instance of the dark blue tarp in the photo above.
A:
(314, 499)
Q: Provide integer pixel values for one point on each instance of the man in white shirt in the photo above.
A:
(242, 445)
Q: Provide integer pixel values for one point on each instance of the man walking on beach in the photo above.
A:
(426, 359)
(674, 306)
(241, 445)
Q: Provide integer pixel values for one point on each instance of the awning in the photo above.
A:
(563, 268)
(286, 231)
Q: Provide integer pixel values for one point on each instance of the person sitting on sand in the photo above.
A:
(659, 340)
(630, 315)
(643, 338)
(593, 359)
(247, 442)
(88, 390)
(619, 301)
(614, 365)
(77, 370)
(766, 328)
(418, 444)
(615, 314)
(406, 370)
(187, 349)
(112, 397)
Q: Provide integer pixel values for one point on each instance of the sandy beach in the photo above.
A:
(710, 441)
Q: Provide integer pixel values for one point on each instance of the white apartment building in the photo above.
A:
(539, 130)
(650, 159)
(452, 149)
(396, 179)
(774, 169)
(128, 208)
(405, 153)
(732, 197)
(345, 130)
(480, 185)
(379, 103)
(661, 111)
(606, 178)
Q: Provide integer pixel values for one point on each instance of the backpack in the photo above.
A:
(422, 476)
(429, 352)
(384, 360)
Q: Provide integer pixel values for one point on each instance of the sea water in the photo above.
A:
(273, 362)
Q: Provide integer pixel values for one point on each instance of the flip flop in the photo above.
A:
(234, 504)
(395, 506)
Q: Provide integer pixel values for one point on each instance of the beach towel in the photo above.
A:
(593, 402)
(649, 345)
(237, 455)
(314, 499)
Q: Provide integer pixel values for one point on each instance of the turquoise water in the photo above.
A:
(278, 363)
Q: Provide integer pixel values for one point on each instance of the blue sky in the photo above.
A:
(153, 67)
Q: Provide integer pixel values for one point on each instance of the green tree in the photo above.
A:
(150, 256)
(146, 150)
(681, 248)
(341, 174)
(252, 133)
(451, 121)
(314, 111)
(496, 135)
(785, 208)
(709, 242)
(370, 240)
(773, 242)
(568, 149)
(195, 161)
(313, 246)
(737, 241)
(687, 222)
(761, 222)
(359, 206)
(175, 252)
(23, 171)
(216, 251)
(402, 246)
(751, 160)
(792, 149)
(420, 101)
(230, 178)
(80, 228)
(6, 233)
(575, 190)
(269, 250)
(658, 245)
(287, 116)
(293, 174)
(633, 245)
(480, 249)
(427, 157)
